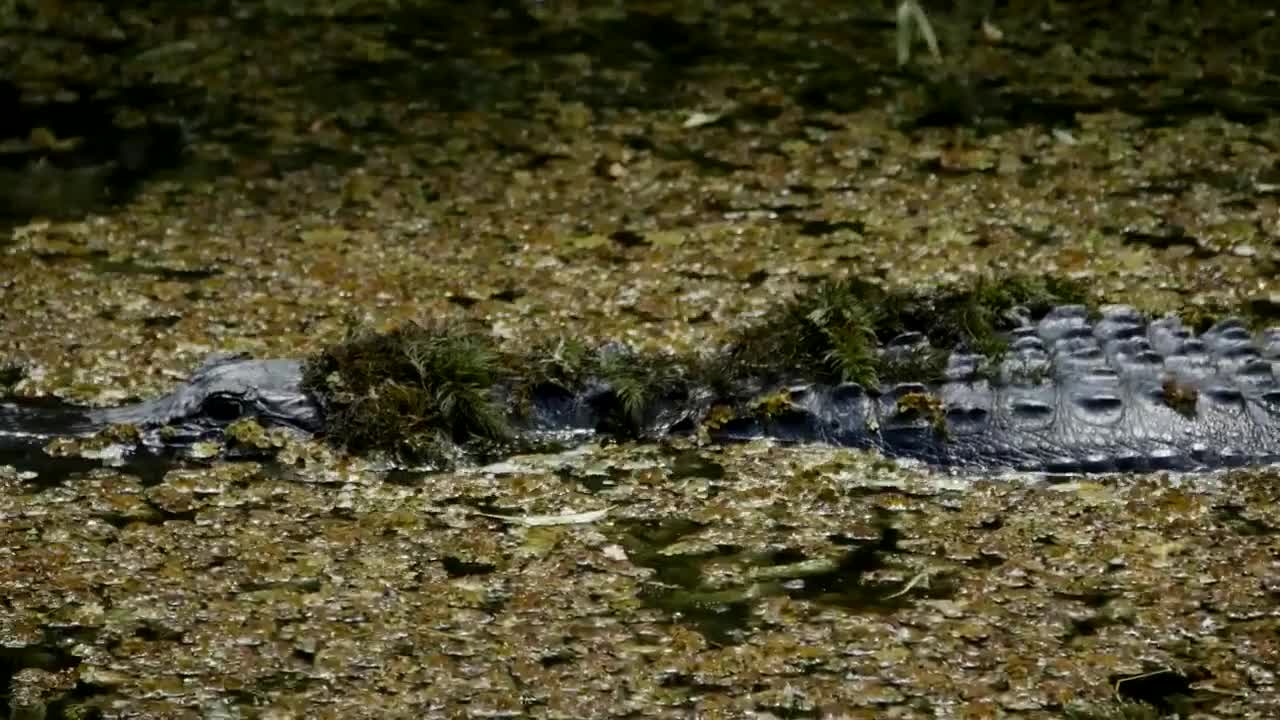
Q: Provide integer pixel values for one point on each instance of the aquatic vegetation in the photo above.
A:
(772, 404)
(636, 382)
(834, 333)
(1180, 396)
(560, 361)
(829, 334)
(927, 406)
(417, 390)
(248, 433)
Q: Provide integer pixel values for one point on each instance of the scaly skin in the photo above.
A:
(224, 389)
(1120, 394)
(1070, 395)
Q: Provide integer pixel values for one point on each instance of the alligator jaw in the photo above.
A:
(30, 425)
(224, 390)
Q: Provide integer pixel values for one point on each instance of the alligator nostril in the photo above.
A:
(222, 408)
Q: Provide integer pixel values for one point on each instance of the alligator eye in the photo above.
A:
(222, 408)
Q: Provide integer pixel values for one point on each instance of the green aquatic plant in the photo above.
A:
(562, 361)
(841, 316)
(976, 315)
(835, 332)
(643, 384)
(828, 334)
(633, 383)
(926, 406)
(417, 390)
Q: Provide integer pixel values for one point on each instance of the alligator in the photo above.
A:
(1076, 390)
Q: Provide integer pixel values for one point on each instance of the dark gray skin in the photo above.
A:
(1071, 395)
(224, 389)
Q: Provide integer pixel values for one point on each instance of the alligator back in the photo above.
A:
(1072, 394)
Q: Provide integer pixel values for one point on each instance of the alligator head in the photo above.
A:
(226, 388)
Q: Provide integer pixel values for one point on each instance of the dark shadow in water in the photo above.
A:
(50, 471)
(86, 162)
(726, 615)
(28, 427)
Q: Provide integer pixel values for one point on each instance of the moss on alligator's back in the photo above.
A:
(429, 392)
(832, 333)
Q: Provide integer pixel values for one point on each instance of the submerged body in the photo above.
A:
(1071, 394)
